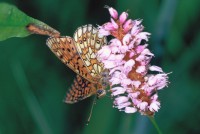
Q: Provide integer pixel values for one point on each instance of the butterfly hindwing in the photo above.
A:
(64, 49)
(80, 90)
(88, 41)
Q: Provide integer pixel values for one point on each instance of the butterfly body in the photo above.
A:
(79, 54)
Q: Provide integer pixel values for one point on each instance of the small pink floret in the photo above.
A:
(113, 13)
(130, 110)
(123, 17)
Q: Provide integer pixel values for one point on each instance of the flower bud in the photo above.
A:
(123, 17)
(113, 13)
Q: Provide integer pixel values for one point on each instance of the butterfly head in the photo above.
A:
(101, 93)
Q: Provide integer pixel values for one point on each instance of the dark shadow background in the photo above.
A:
(33, 82)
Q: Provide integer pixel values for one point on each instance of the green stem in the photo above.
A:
(152, 119)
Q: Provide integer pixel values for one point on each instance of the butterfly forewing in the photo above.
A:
(80, 90)
(88, 42)
(65, 50)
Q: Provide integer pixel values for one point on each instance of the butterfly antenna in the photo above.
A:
(94, 102)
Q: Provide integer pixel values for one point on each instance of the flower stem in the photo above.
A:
(152, 119)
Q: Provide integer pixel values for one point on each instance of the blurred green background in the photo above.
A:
(33, 82)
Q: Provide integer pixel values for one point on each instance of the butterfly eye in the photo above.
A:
(81, 42)
(84, 39)
(98, 42)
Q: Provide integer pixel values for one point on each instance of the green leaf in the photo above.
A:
(13, 22)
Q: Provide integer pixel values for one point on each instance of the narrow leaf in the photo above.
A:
(13, 22)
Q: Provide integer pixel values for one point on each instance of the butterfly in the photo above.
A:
(80, 54)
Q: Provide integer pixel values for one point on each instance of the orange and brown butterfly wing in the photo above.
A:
(88, 41)
(64, 48)
(80, 90)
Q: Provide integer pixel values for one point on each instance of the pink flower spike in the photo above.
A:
(128, 66)
(109, 64)
(137, 22)
(159, 81)
(123, 17)
(140, 58)
(104, 53)
(114, 49)
(116, 42)
(114, 57)
(117, 91)
(115, 70)
(140, 48)
(154, 97)
(132, 53)
(128, 25)
(143, 35)
(147, 52)
(115, 80)
(116, 73)
(126, 39)
(121, 99)
(134, 30)
(133, 95)
(152, 80)
(130, 110)
(113, 12)
(141, 69)
(125, 82)
(162, 81)
(136, 101)
(136, 83)
(154, 106)
(123, 49)
(109, 26)
(155, 68)
(133, 81)
(132, 43)
(114, 24)
(123, 105)
(142, 105)
(103, 32)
